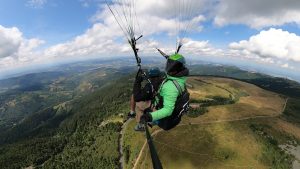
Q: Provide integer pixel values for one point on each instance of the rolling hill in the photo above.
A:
(243, 130)
(22, 96)
(232, 123)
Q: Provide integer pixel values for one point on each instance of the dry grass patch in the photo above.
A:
(207, 146)
(286, 127)
(259, 102)
(202, 90)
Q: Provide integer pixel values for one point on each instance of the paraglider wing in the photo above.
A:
(125, 15)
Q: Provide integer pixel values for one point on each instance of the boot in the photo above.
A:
(131, 114)
(139, 127)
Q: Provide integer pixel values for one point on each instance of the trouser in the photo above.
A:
(140, 107)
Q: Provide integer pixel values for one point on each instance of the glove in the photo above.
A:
(147, 110)
(146, 117)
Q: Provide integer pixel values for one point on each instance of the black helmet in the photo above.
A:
(154, 72)
(175, 63)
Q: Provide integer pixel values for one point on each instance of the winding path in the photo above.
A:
(120, 147)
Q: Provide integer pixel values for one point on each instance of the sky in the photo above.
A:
(261, 35)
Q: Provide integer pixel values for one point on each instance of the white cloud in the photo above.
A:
(87, 3)
(10, 41)
(191, 48)
(15, 50)
(157, 16)
(13, 44)
(36, 3)
(286, 65)
(272, 44)
(100, 39)
(106, 38)
(257, 13)
(200, 48)
(156, 19)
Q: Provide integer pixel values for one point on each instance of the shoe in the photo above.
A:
(139, 127)
(131, 115)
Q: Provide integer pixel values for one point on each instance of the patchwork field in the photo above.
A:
(242, 127)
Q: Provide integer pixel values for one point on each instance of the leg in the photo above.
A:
(132, 104)
(140, 107)
(139, 111)
(131, 114)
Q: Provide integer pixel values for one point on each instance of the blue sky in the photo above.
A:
(265, 33)
(55, 21)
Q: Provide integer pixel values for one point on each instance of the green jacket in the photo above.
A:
(169, 94)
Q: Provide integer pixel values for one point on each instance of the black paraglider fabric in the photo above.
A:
(155, 159)
(141, 93)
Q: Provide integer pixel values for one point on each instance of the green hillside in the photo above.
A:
(64, 136)
(36, 92)
(75, 121)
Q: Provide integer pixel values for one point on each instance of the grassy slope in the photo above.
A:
(133, 143)
(252, 101)
(227, 144)
(208, 146)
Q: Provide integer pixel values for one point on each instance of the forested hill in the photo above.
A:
(74, 132)
(69, 135)
(277, 84)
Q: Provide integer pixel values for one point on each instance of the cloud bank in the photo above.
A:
(257, 13)
(270, 45)
(15, 48)
(156, 19)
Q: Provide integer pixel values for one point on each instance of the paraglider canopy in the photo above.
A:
(182, 14)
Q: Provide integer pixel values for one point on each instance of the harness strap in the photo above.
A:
(178, 87)
(176, 84)
(154, 156)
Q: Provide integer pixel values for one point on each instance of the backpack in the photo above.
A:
(181, 107)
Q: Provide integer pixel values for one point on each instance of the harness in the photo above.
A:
(181, 107)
